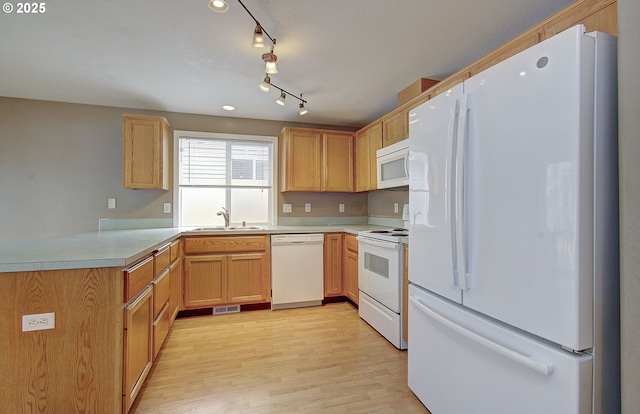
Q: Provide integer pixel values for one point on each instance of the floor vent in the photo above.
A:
(226, 309)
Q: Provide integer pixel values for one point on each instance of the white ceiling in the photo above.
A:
(349, 58)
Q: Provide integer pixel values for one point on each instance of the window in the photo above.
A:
(220, 170)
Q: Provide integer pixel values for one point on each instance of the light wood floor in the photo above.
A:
(321, 359)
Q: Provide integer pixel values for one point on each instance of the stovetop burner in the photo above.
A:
(398, 235)
(390, 231)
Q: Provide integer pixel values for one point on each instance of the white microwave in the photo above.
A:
(392, 165)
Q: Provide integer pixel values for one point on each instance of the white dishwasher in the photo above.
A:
(297, 270)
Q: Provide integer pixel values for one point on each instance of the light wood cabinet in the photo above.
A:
(337, 161)
(351, 268)
(333, 264)
(222, 270)
(395, 127)
(146, 148)
(316, 160)
(138, 345)
(161, 291)
(368, 141)
(175, 280)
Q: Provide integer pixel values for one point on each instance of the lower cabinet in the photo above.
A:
(138, 345)
(333, 264)
(351, 268)
(175, 289)
(221, 270)
(161, 314)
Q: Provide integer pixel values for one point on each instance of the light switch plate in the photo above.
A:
(111, 203)
(167, 207)
(341, 208)
(286, 208)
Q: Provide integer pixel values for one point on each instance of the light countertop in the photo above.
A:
(120, 248)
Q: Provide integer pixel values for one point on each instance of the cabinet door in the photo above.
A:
(145, 152)
(301, 160)
(396, 128)
(333, 263)
(175, 287)
(375, 143)
(368, 141)
(248, 278)
(138, 345)
(351, 268)
(351, 290)
(337, 160)
(161, 292)
(205, 281)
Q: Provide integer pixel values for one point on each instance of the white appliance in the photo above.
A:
(513, 201)
(392, 165)
(380, 269)
(297, 270)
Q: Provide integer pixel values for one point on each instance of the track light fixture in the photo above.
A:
(264, 85)
(270, 58)
(258, 37)
(303, 110)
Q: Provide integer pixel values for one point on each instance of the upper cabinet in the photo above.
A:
(395, 127)
(316, 160)
(368, 141)
(146, 152)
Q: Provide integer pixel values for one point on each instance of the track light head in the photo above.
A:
(264, 85)
(218, 6)
(303, 110)
(270, 59)
(258, 37)
(280, 100)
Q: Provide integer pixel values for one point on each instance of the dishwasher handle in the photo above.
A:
(296, 239)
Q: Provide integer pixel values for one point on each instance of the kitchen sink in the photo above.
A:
(218, 228)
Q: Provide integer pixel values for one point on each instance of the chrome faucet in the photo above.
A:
(224, 213)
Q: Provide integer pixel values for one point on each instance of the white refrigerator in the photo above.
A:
(513, 197)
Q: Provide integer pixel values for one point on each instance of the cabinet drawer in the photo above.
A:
(352, 243)
(161, 291)
(224, 244)
(162, 259)
(161, 329)
(137, 277)
(175, 250)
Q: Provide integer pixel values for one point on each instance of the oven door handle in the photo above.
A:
(384, 245)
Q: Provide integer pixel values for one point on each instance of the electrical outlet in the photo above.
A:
(341, 208)
(167, 207)
(286, 208)
(395, 207)
(38, 322)
(307, 207)
(111, 203)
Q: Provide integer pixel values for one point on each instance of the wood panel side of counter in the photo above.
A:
(75, 367)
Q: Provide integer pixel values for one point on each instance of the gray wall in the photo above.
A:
(60, 162)
(629, 136)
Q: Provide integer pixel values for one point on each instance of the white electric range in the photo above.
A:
(380, 265)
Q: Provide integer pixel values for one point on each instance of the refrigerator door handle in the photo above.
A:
(525, 360)
(459, 190)
(453, 138)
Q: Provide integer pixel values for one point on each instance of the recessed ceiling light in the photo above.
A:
(228, 107)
